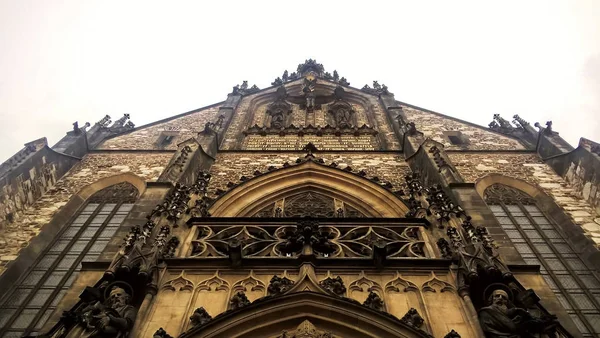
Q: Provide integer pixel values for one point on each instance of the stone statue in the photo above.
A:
(277, 120)
(113, 318)
(499, 320)
(343, 118)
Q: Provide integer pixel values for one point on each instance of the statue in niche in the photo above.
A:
(279, 110)
(343, 114)
(277, 119)
(112, 318)
(309, 92)
(499, 320)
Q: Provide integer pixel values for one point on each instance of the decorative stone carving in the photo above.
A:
(413, 318)
(308, 66)
(500, 319)
(179, 283)
(279, 111)
(279, 285)
(244, 90)
(501, 125)
(334, 286)
(199, 317)
(307, 233)
(112, 318)
(520, 121)
(215, 283)
(105, 121)
(311, 130)
(400, 284)
(308, 88)
(452, 334)
(238, 301)
(161, 333)
(343, 114)
(500, 193)
(376, 90)
(374, 302)
(306, 329)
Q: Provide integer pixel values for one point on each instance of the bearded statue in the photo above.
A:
(498, 319)
(113, 318)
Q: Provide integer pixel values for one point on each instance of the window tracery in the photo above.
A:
(540, 241)
(309, 204)
(326, 240)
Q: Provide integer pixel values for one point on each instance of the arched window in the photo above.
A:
(540, 241)
(27, 306)
(309, 204)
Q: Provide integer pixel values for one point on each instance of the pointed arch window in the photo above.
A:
(27, 306)
(309, 204)
(540, 241)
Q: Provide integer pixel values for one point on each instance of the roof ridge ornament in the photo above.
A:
(310, 68)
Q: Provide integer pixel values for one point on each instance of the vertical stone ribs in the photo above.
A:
(145, 246)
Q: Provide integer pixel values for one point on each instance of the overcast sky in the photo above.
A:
(66, 61)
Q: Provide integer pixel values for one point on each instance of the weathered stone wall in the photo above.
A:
(530, 168)
(93, 167)
(480, 138)
(147, 137)
(27, 182)
(230, 166)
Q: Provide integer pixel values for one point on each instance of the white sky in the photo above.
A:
(62, 61)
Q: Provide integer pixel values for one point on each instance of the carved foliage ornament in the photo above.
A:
(238, 301)
(279, 285)
(200, 317)
(306, 329)
(335, 286)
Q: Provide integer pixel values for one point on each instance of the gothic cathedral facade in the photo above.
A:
(307, 209)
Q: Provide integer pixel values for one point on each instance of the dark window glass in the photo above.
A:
(30, 303)
(539, 241)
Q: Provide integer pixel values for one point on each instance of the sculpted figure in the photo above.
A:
(344, 118)
(498, 320)
(277, 121)
(113, 318)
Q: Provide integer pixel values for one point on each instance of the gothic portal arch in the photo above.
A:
(320, 315)
(367, 197)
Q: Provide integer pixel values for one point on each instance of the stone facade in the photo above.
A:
(530, 168)
(151, 137)
(307, 208)
(368, 110)
(230, 166)
(16, 235)
(438, 127)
